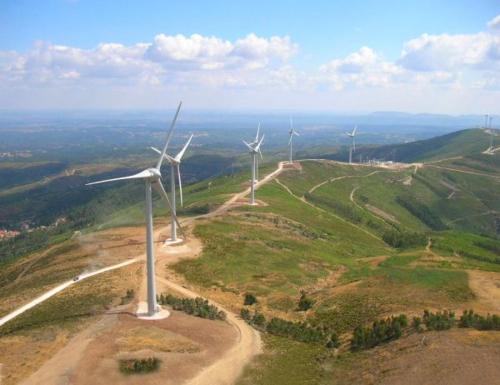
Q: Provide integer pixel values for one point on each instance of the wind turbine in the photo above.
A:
(353, 143)
(152, 179)
(254, 150)
(292, 132)
(175, 163)
(256, 140)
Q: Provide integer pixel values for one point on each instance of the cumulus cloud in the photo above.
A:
(364, 67)
(451, 52)
(166, 58)
(494, 23)
(472, 59)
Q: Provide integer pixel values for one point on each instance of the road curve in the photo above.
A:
(228, 368)
(60, 288)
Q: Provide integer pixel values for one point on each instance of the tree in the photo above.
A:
(250, 299)
(305, 303)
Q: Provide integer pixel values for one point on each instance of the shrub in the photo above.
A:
(417, 324)
(198, 307)
(138, 366)
(471, 320)
(305, 303)
(381, 331)
(404, 239)
(250, 299)
(298, 331)
(333, 342)
(245, 314)
(439, 321)
(258, 319)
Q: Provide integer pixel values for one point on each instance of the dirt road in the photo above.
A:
(228, 368)
(60, 288)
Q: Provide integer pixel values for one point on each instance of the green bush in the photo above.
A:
(250, 299)
(298, 331)
(404, 239)
(333, 342)
(305, 303)
(417, 324)
(139, 366)
(258, 319)
(471, 320)
(198, 307)
(245, 314)
(381, 331)
(439, 321)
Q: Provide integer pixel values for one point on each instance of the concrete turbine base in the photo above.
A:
(142, 312)
(169, 242)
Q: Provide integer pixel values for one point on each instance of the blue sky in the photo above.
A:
(351, 51)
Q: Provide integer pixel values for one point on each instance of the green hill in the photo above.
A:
(459, 143)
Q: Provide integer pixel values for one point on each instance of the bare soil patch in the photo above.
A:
(486, 286)
(187, 345)
(456, 357)
(381, 213)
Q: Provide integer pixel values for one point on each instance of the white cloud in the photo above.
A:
(451, 52)
(461, 60)
(494, 23)
(364, 67)
(163, 60)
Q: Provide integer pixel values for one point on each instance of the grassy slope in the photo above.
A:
(459, 143)
(279, 249)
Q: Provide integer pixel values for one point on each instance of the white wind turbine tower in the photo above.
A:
(353, 143)
(175, 163)
(254, 143)
(254, 150)
(152, 179)
(292, 132)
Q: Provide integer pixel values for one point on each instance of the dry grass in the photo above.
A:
(156, 339)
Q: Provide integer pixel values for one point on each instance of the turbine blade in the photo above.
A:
(179, 156)
(260, 152)
(290, 140)
(257, 148)
(354, 130)
(295, 133)
(140, 175)
(161, 190)
(167, 157)
(169, 136)
(180, 184)
(258, 131)
(249, 146)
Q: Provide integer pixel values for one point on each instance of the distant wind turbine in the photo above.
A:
(254, 150)
(175, 163)
(255, 141)
(353, 143)
(291, 133)
(152, 179)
